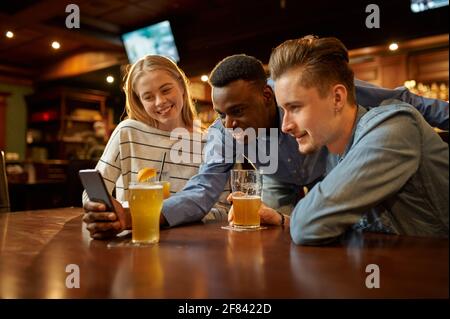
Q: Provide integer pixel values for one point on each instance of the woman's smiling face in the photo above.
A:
(161, 95)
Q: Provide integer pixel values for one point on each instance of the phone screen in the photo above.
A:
(95, 187)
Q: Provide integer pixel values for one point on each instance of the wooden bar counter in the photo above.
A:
(205, 261)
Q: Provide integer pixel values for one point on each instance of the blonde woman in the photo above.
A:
(157, 102)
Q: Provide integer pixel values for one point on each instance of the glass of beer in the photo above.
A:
(246, 186)
(145, 200)
(165, 182)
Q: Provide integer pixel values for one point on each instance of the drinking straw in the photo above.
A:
(251, 163)
(162, 166)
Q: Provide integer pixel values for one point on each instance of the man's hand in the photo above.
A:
(267, 214)
(102, 224)
(231, 216)
(270, 216)
(231, 211)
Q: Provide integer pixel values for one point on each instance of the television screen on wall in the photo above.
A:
(422, 5)
(153, 39)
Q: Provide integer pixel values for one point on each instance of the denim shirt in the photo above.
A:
(395, 167)
(294, 170)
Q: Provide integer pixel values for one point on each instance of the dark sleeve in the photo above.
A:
(434, 111)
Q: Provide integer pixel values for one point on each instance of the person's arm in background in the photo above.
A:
(434, 111)
(383, 158)
(203, 190)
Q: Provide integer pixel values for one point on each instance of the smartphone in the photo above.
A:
(95, 187)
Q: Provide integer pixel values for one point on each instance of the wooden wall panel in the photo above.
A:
(367, 71)
(429, 66)
(393, 70)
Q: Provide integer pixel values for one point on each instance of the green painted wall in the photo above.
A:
(16, 117)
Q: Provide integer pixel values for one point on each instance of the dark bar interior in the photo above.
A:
(64, 71)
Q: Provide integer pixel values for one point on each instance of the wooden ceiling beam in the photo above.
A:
(15, 80)
(35, 17)
(100, 25)
(80, 63)
(89, 38)
(16, 75)
(15, 70)
(38, 12)
(420, 43)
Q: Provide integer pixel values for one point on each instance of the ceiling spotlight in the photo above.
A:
(393, 46)
(204, 78)
(56, 45)
(110, 79)
(9, 34)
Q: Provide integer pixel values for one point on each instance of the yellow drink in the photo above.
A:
(166, 188)
(145, 207)
(246, 211)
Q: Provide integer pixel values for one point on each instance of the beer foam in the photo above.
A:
(247, 197)
(145, 186)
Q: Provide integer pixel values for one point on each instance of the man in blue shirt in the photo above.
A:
(243, 99)
(392, 168)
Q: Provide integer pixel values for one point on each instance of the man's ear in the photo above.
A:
(268, 94)
(339, 92)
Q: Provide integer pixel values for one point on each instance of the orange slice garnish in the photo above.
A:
(146, 173)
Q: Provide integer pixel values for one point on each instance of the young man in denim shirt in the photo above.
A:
(391, 168)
